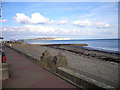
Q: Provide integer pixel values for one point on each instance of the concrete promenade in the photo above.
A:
(25, 74)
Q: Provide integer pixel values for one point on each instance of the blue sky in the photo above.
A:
(83, 20)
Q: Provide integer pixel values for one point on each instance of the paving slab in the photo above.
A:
(25, 74)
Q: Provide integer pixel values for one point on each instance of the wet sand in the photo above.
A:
(85, 62)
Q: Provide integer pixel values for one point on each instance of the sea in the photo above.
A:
(110, 45)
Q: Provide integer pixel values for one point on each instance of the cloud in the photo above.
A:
(62, 22)
(4, 20)
(35, 31)
(102, 25)
(12, 29)
(82, 23)
(47, 30)
(39, 29)
(50, 30)
(36, 18)
(57, 22)
(22, 18)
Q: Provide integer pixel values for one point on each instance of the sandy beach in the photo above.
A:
(99, 65)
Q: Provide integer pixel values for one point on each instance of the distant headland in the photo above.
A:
(47, 39)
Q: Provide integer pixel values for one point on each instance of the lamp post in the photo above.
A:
(1, 25)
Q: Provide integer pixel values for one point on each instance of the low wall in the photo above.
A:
(4, 74)
(80, 81)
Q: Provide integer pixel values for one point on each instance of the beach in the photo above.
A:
(99, 65)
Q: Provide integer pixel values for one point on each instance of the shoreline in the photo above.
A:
(101, 50)
(90, 46)
(83, 47)
(81, 50)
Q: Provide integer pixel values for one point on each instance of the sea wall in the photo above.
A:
(74, 78)
(82, 80)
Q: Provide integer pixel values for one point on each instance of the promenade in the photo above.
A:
(25, 74)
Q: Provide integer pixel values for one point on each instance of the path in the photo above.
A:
(25, 74)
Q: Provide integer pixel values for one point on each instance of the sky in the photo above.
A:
(78, 20)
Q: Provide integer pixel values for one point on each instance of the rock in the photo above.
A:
(46, 59)
(60, 60)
